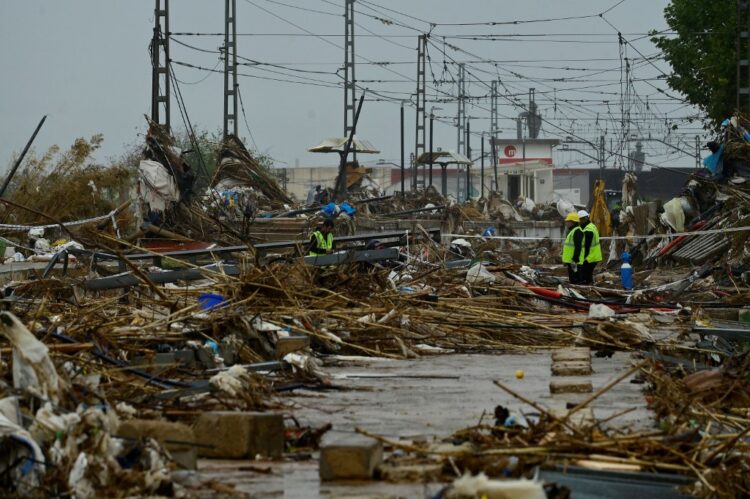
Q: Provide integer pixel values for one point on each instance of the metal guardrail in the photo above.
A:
(125, 280)
(260, 248)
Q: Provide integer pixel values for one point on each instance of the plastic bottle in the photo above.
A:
(626, 271)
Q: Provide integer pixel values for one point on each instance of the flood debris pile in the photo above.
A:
(131, 349)
(242, 184)
(115, 367)
(697, 445)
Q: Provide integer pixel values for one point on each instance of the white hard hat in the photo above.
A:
(583, 213)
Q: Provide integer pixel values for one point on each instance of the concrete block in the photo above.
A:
(352, 458)
(177, 438)
(570, 386)
(289, 344)
(237, 435)
(230, 353)
(206, 357)
(571, 368)
(572, 354)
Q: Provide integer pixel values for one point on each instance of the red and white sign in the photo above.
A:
(529, 152)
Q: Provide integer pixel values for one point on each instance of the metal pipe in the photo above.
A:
(416, 210)
(12, 171)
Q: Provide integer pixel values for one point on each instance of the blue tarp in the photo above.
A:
(713, 161)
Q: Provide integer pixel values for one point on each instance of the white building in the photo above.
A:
(525, 168)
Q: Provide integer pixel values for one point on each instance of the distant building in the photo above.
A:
(524, 168)
(655, 184)
(299, 180)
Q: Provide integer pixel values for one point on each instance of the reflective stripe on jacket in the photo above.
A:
(569, 246)
(595, 251)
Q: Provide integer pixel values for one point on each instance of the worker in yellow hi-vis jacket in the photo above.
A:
(321, 241)
(572, 247)
(591, 253)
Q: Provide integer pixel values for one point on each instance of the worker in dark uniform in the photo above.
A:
(321, 241)
(571, 251)
(592, 250)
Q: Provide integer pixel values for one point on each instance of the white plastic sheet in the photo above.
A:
(32, 368)
(599, 311)
(158, 187)
(479, 275)
(481, 486)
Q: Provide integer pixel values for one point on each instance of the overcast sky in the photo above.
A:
(85, 63)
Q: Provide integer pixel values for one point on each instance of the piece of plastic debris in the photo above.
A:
(211, 301)
(479, 275)
(600, 311)
(32, 368)
(483, 487)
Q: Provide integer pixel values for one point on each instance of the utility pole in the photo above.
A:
(468, 155)
(493, 155)
(160, 65)
(432, 120)
(230, 68)
(494, 129)
(419, 146)
(350, 82)
(481, 195)
(403, 169)
(461, 118)
(742, 47)
(601, 157)
(493, 108)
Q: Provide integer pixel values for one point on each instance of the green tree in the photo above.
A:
(703, 54)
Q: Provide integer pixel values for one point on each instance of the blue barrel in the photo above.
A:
(626, 271)
(626, 276)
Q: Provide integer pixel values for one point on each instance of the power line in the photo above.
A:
(244, 118)
(572, 134)
(297, 7)
(499, 23)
